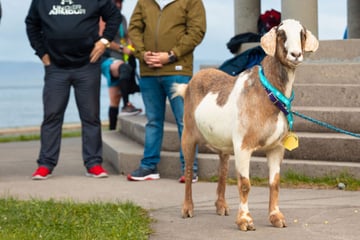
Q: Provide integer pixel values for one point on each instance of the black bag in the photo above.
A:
(235, 42)
(130, 85)
(243, 61)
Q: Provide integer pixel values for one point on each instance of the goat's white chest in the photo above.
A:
(216, 123)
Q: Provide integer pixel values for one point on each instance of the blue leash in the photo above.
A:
(284, 105)
(324, 124)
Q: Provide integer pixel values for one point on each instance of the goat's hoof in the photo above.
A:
(222, 209)
(187, 213)
(278, 220)
(244, 225)
(187, 210)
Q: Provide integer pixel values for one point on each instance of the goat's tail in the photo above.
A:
(178, 90)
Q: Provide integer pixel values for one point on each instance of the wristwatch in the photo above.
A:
(105, 42)
(172, 57)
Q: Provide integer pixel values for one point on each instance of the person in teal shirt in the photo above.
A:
(118, 66)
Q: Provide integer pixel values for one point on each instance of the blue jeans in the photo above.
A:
(154, 91)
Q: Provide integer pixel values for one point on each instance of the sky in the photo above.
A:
(14, 45)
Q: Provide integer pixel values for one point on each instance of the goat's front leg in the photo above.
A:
(188, 148)
(221, 206)
(275, 157)
(242, 161)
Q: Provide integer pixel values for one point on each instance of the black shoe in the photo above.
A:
(129, 110)
(143, 174)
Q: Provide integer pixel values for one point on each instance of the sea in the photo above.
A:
(21, 86)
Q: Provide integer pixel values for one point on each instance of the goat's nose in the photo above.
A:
(296, 54)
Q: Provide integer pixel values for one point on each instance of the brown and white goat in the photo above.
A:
(233, 115)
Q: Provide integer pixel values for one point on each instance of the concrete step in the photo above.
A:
(125, 155)
(328, 72)
(326, 147)
(320, 146)
(327, 95)
(134, 128)
(348, 49)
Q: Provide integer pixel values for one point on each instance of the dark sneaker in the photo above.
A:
(194, 180)
(129, 110)
(97, 171)
(143, 174)
(41, 173)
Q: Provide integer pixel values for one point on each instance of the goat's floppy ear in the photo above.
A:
(268, 42)
(311, 44)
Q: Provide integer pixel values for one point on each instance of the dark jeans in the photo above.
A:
(86, 83)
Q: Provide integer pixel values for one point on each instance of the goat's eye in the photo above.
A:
(281, 35)
(302, 35)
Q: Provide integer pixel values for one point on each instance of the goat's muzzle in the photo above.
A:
(295, 57)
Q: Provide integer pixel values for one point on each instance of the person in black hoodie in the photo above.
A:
(65, 36)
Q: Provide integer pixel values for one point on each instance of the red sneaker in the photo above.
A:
(41, 173)
(97, 171)
(194, 180)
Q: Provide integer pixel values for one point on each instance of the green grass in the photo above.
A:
(32, 137)
(36, 219)
(292, 179)
(67, 132)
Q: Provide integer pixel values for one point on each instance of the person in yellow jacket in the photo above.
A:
(165, 34)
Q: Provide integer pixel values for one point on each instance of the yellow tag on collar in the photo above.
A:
(291, 141)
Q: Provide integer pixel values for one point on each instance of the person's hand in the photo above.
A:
(152, 59)
(97, 51)
(163, 57)
(46, 60)
(156, 59)
(127, 50)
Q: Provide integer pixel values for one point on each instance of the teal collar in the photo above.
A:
(278, 98)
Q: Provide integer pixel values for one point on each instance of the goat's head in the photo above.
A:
(288, 41)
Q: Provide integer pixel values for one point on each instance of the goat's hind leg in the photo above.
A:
(222, 207)
(275, 157)
(189, 147)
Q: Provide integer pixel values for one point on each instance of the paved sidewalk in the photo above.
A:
(310, 214)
